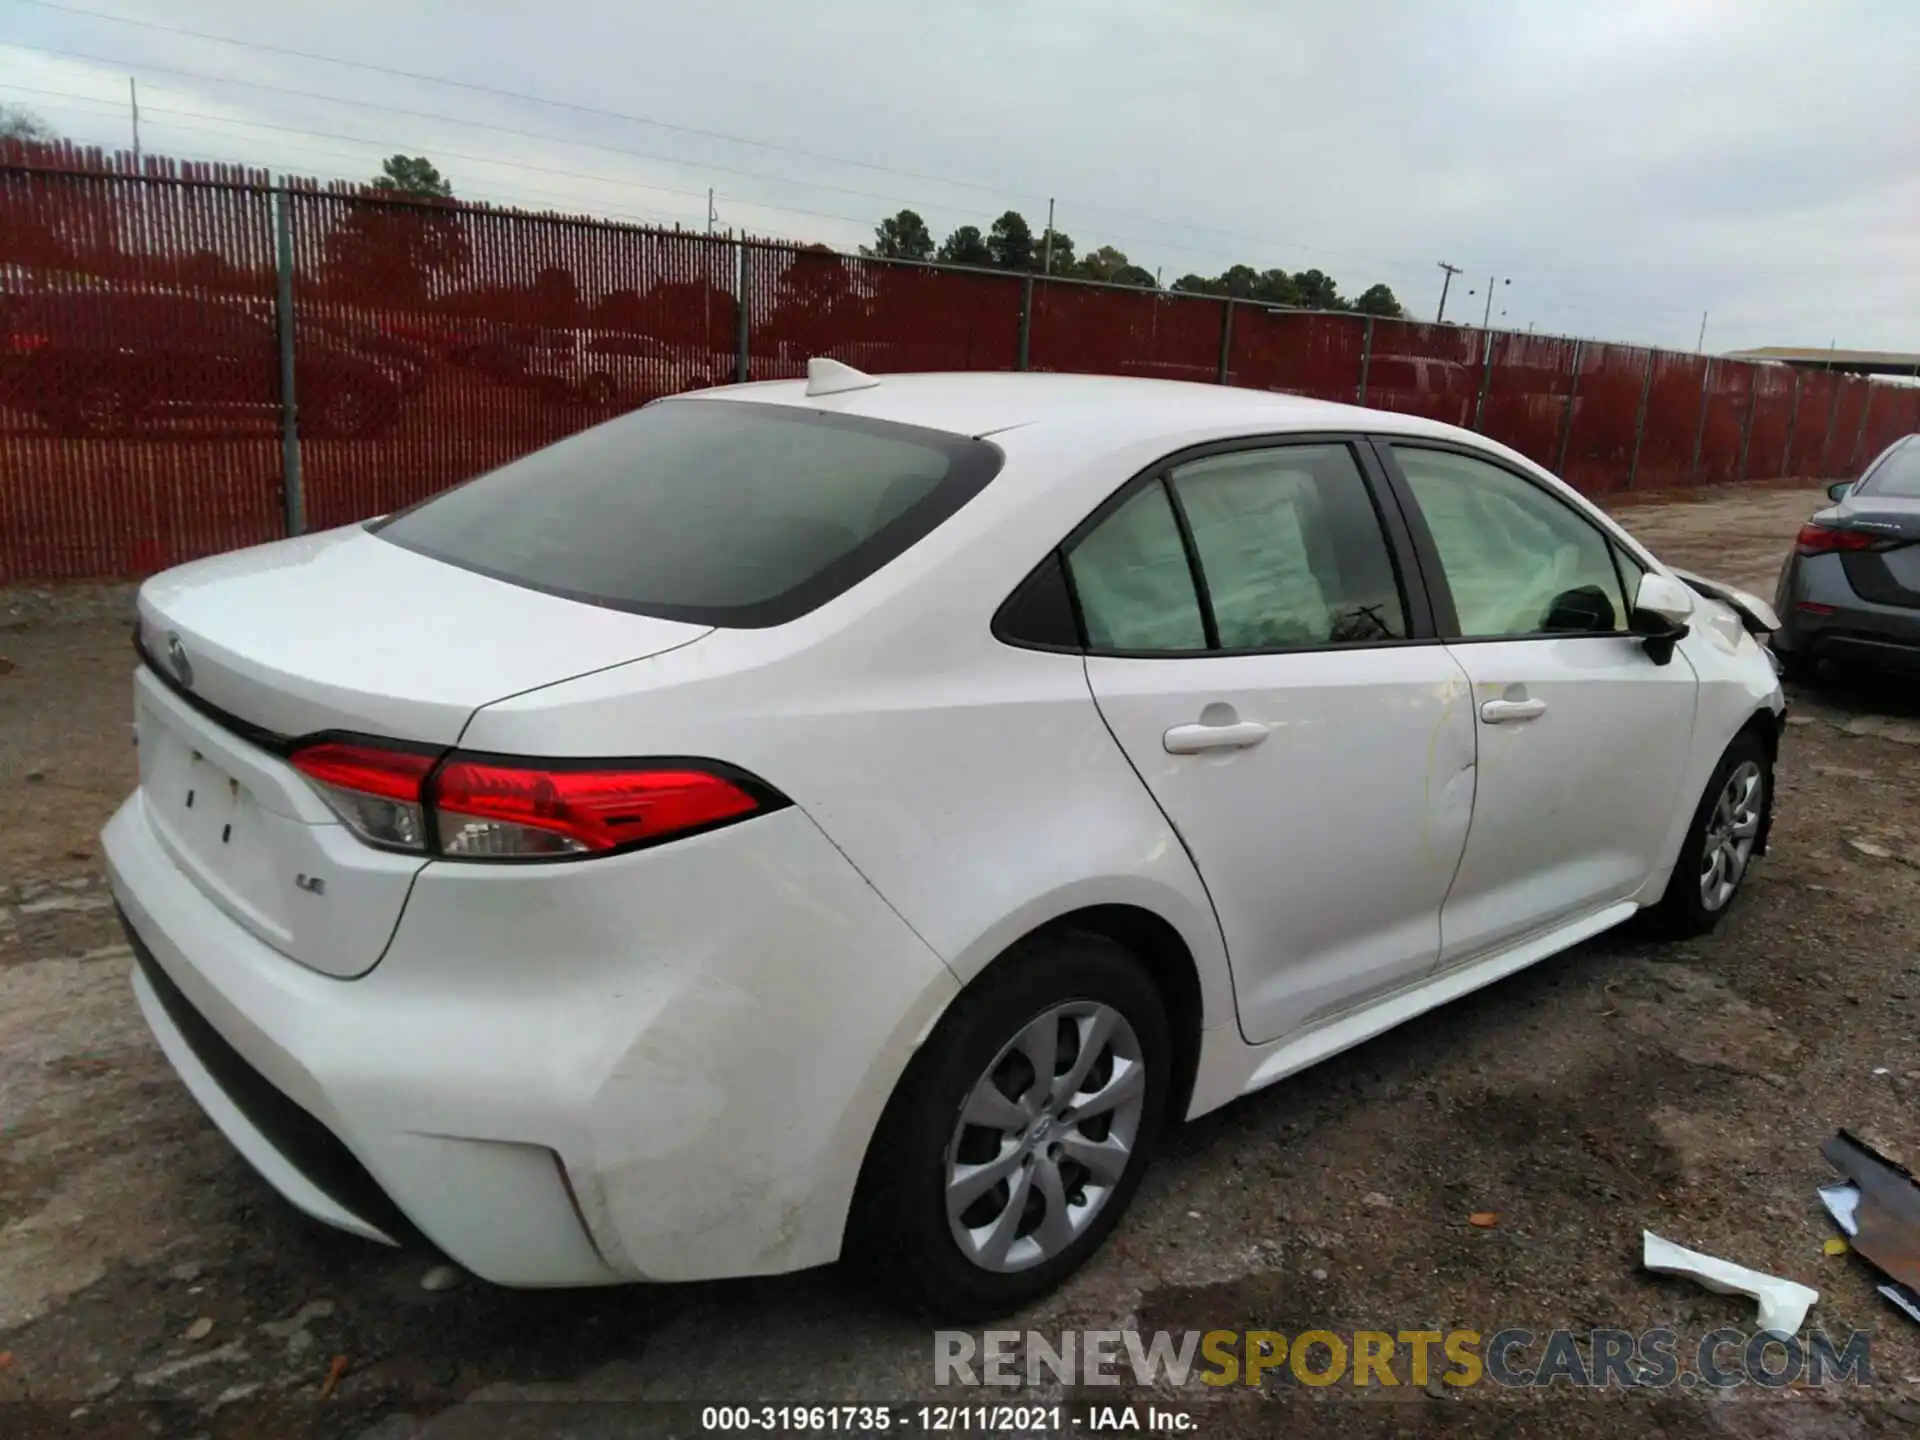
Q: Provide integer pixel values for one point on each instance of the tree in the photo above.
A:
(1317, 291)
(1010, 242)
(1379, 300)
(1104, 263)
(1276, 287)
(902, 237)
(1191, 284)
(1137, 276)
(19, 123)
(965, 246)
(412, 175)
(1058, 258)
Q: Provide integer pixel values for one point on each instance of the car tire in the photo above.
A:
(1731, 821)
(1071, 985)
(349, 411)
(99, 409)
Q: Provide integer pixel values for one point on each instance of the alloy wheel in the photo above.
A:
(1732, 829)
(1045, 1135)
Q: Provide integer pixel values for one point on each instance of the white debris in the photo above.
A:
(201, 1328)
(1783, 1303)
(160, 1374)
(284, 1329)
(66, 902)
(440, 1277)
(1843, 1204)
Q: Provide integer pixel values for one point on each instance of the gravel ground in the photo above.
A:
(149, 1284)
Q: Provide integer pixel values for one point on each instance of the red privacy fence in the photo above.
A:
(193, 358)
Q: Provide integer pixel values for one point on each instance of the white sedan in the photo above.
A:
(858, 816)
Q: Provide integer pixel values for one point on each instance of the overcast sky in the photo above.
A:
(1627, 165)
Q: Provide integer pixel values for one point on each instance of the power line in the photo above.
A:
(460, 120)
(577, 107)
(572, 174)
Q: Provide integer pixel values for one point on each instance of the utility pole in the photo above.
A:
(1492, 281)
(1046, 248)
(1452, 270)
(1701, 343)
(711, 215)
(133, 100)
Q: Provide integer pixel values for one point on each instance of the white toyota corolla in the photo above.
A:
(859, 815)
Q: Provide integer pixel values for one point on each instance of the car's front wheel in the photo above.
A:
(1725, 832)
(1020, 1132)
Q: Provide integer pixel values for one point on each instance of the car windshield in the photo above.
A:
(718, 513)
(1898, 476)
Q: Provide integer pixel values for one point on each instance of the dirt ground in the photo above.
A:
(150, 1284)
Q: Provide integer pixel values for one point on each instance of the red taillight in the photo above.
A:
(378, 792)
(1816, 539)
(23, 341)
(488, 809)
(475, 808)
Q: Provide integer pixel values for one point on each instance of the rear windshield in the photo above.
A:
(1898, 476)
(715, 512)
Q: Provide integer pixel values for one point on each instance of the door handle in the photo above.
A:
(1501, 712)
(1198, 739)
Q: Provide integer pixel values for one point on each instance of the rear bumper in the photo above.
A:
(567, 1075)
(1822, 617)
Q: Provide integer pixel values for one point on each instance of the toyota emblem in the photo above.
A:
(177, 657)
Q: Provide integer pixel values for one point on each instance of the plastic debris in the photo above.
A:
(1878, 1208)
(440, 1277)
(1783, 1303)
(1904, 1298)
(1483, 1219)
(201, 1328)
(1834, 1245)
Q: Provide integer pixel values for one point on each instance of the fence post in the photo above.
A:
(1366, 363)
(1486, 379)
(1700, 429)
(1640, 420)
(292, 498)
(1854, 460)
(1746, 421)
(1833, 416)
(1026, 320)
(1566, 420)
(1793, 423)
(742, 367)
(1226, 339)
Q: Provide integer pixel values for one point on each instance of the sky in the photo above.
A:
(1619, 167)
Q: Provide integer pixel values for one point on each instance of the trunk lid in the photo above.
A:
(1889, 576)
(344, 631)
(340, 631)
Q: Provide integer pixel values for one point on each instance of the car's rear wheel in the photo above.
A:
(1020, 1132)
(349, 411)
(1721, 842)
(99, 408)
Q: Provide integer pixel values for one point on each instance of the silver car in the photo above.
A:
(1850, 591)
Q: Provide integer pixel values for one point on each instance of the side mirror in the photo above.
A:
(1662, 611)
(1839, 490)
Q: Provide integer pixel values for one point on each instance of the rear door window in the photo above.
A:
(713, 512)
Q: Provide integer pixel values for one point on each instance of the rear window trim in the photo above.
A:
(974, 462)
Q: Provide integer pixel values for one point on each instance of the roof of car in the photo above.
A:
(1126, 407)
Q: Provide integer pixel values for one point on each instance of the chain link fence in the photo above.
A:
(194, 358)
